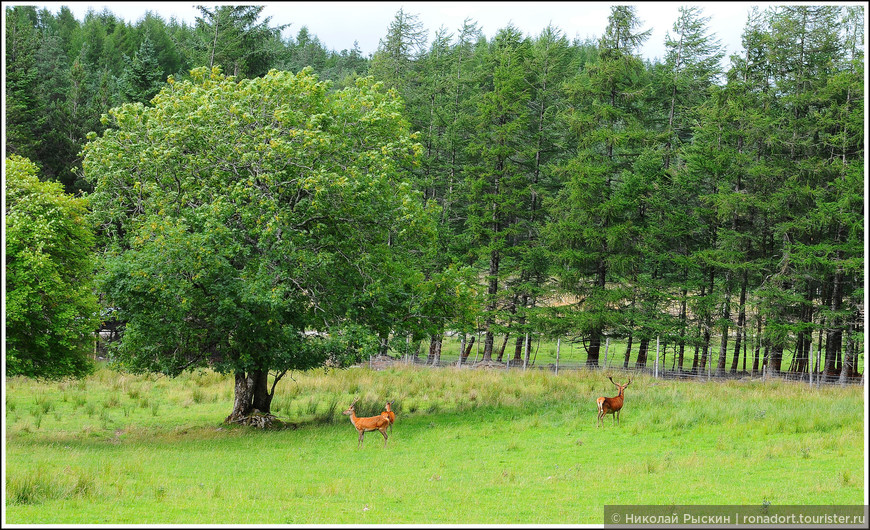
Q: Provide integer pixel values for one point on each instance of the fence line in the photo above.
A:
(656, 371)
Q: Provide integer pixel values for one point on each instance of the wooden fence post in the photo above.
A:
(810, 363)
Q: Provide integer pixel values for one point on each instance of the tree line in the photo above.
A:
(672, 199)
(574, 187)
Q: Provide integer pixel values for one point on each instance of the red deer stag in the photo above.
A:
(611, 405)
(389, 414)
(364, 425)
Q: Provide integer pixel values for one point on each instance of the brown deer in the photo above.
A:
(364, 425)
(612, 405)
(389, 414)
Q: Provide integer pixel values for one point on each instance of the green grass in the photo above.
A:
(507, 447)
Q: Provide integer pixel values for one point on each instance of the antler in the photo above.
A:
(354, 401)
(617, 384)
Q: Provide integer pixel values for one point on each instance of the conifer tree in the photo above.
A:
(498, 180)
(143, 76)
(589, 236)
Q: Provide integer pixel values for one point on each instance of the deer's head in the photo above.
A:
(620, 387)
(350, 410)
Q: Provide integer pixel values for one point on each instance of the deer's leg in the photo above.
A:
(361, 435)
(384, 432)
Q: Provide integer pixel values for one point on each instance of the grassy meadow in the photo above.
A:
(468, 446)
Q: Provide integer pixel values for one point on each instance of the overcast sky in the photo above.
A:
(339, 24)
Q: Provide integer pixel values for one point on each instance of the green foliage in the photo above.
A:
(24, 114)
(51, 309)
(601, 203)
(393, 62)
(236, 215)
(143, 76)
(233, 38)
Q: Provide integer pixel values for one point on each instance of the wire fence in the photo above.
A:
(709, 373)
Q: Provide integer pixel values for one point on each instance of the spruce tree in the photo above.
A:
(143, 76)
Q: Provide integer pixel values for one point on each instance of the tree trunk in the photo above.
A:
(849, 358)
(708, 325)
(416, 349)
(819, 349)
(683, 318)
(723, 344)
(244, 393)
(468, 348)
(755, 366)
(594, 350)
(435, 349)
(835, 333)
(741, 322)
(642, 353)
(802, 362)
(628, 349)
(262, 399)
(595, 335)
(523, 343)
(706, 349)
(214, 42)
(503, 346)
(696, 362)
(491, 305)
(518, 349)
(252, 393)
(775, 365)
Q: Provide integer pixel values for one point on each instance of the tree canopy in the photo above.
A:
(51, 308)
(239, 216)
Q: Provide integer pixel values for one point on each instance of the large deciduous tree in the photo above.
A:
(237, 217)
(51, 310)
